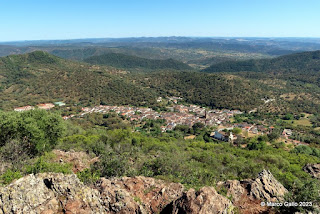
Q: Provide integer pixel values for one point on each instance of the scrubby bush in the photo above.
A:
(88, 176)
(37, 130)
(9, 176)
(45, 164)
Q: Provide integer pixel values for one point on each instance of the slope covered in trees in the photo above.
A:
(301, 66)
(127, 61)
(41, 77)
(216, 91)
(294, 79)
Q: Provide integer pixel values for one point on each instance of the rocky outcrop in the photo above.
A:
(78, 160)
(204, 201)
(313, 170)
(234, 188)
(248, 194)
(117, 200)
(266, 188)
(48, 193)
(142, 194)
(58, 193)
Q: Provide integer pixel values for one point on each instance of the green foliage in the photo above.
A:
(41, 57)
(8, 176)
(216, 91)
(79, 142)
(302, 149)
(127, 61)
(303, 192)
(295, 74)
(86, 84)
(257, 145)
(193, 163)
(288, 117)
(88, 176)
(294, 63)
(15, 153)
(44, 164)
(275, 134)
(112, 165)
(38, 130)
(236, 131)
(74, 82)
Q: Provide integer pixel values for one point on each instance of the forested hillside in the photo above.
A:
(127, 61)
(216, 91)
(301, 66)
(39, 77)
(294, 78)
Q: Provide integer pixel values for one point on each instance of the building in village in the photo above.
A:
(24, 108)
(287, 133)
(46, 106)
(223, 136)
(59, 103)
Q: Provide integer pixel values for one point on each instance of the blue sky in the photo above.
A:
(70, 19)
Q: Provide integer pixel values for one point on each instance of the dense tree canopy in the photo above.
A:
(37, 130)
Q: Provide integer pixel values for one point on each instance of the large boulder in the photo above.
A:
(137, 194)
(204, 201)
(266, 188)
(116, 199)
(78, 160)
(313, 170)
(248, 194)
(49, 193)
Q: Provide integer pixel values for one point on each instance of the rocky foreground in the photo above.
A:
(49, 193)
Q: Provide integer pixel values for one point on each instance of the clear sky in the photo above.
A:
(70, 19)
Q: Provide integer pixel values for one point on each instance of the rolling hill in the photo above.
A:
(37, 77)
(295, 78)
(41, 77)
(126, 61)
(305, 62)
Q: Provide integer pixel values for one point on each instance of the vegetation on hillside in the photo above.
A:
(216, 91)
(127, 61)
(40, 77)
(303, 67)
(168, 156)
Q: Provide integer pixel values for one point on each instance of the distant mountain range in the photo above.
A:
(196, 51)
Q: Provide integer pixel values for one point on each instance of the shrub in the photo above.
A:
(39, 130)
(88, 176)
(9, 176)
(44, 164)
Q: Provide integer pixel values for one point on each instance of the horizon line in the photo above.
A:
(139, 37)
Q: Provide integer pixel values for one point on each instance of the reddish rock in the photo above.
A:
(139, 194)
(204, 201)
(48, 193)
(247, 195)
(79, 160)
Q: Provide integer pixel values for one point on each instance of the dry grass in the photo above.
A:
(302, 122)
